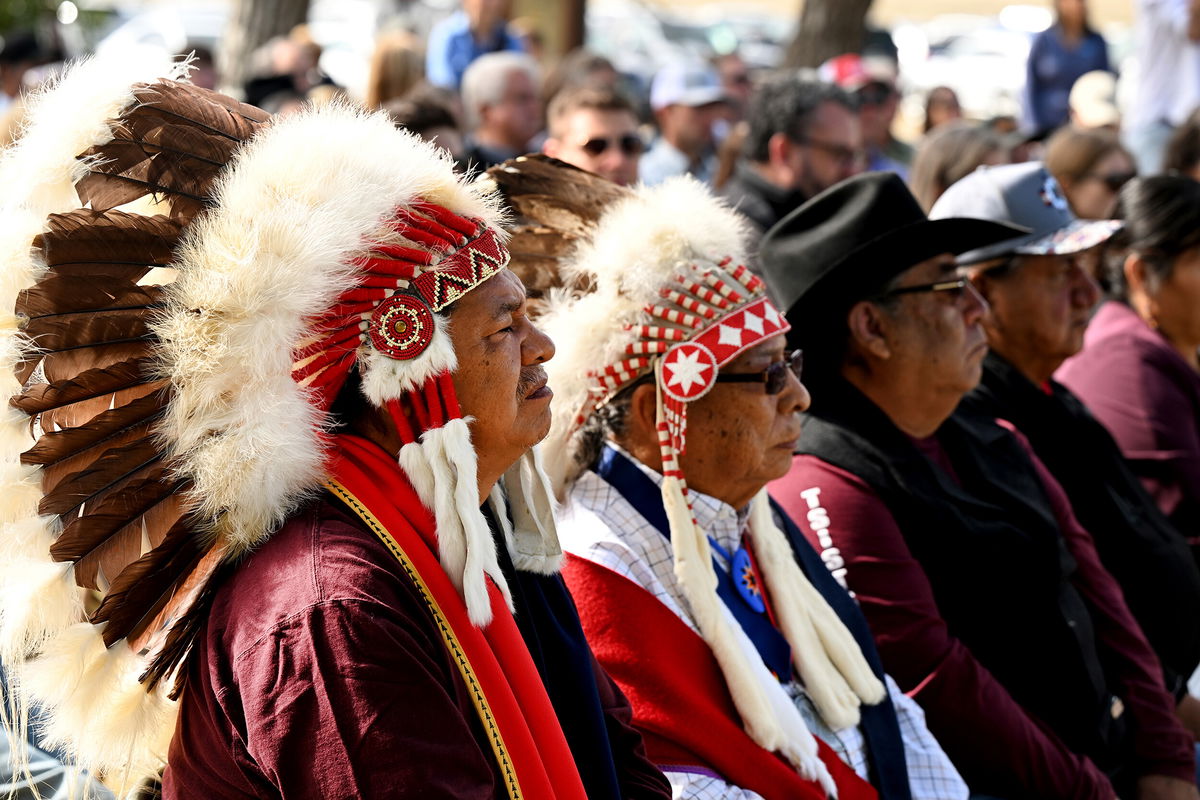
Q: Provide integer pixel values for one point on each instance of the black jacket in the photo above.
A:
(759, 200)
(992, 550)
(1147, 555)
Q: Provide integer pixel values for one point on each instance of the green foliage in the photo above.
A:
(25, 14)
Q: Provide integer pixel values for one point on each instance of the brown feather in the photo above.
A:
(89, 384)
(545, 191)
(150, 154)
(116, 513)
(59, 294)
(55, 446)
(115, 468)
(108, 243)
(85, 411)
(170, 634)
(555, 206)
(71, 331)
(145, 586)
(56, 474)
(65, 364)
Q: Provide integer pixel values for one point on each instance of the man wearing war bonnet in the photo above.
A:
(282, 427)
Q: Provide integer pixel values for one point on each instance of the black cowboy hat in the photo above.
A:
(845, 244)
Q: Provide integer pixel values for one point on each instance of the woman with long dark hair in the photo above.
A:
(1139, 371)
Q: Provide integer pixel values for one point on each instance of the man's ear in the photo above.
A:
(779, 150)
(643, 414)
(868, 325)
(552, 147)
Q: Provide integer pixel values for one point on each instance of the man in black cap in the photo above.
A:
(1041, 293)
(985, 595)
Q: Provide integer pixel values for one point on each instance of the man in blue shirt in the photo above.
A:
(480, 27)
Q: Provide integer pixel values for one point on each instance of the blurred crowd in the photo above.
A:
(483, 86)
(1030, 590)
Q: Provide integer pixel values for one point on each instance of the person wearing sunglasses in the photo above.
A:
(985, 594)
(803, 137)
(1042, 294)
(1091, 166)
(872, 81)
(595, 129)
(678, 402)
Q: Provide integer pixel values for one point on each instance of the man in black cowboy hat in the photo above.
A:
(985, 595)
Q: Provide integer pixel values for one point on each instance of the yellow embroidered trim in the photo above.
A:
(456, 651)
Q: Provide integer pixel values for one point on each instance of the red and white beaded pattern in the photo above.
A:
(448, 256)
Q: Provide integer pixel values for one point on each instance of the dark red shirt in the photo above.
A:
(321, 674)
(983, 729)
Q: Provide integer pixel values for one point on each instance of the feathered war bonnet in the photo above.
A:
(172, 349)
(665, 292)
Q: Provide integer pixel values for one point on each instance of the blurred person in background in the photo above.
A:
(1139, 370)
(872, 81)
(1167, 49)
(425, 115)
(1091, 166)
(501, 107)
(1183, 149)
(950, 153)
(480, 27)
(19, 52)
(580, 67)
(1040, 303)
(529, 31)
(595, 129)
(738, 85)
(397, 66)
(285, 64)
(941, 107)
(687, 100)
(1058, 56)
(803, 136)
(1093, 101)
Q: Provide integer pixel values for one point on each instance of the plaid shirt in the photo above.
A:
(600, 525)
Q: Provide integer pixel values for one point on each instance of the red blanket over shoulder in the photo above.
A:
(515, 708)
(679, 697)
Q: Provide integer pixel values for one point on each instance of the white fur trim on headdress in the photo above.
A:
(441, 467)
(293, 210)
(829, 660)
(532, 535)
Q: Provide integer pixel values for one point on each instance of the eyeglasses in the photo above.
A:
(1115, 180)
(957, 286)
(774, 378)
(629, 144)
(842, 154)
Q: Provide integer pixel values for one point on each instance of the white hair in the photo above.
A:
(485, 80)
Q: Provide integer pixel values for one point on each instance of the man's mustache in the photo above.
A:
(532, 378)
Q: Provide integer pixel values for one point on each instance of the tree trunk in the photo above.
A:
(252, 23)
(828, 28)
